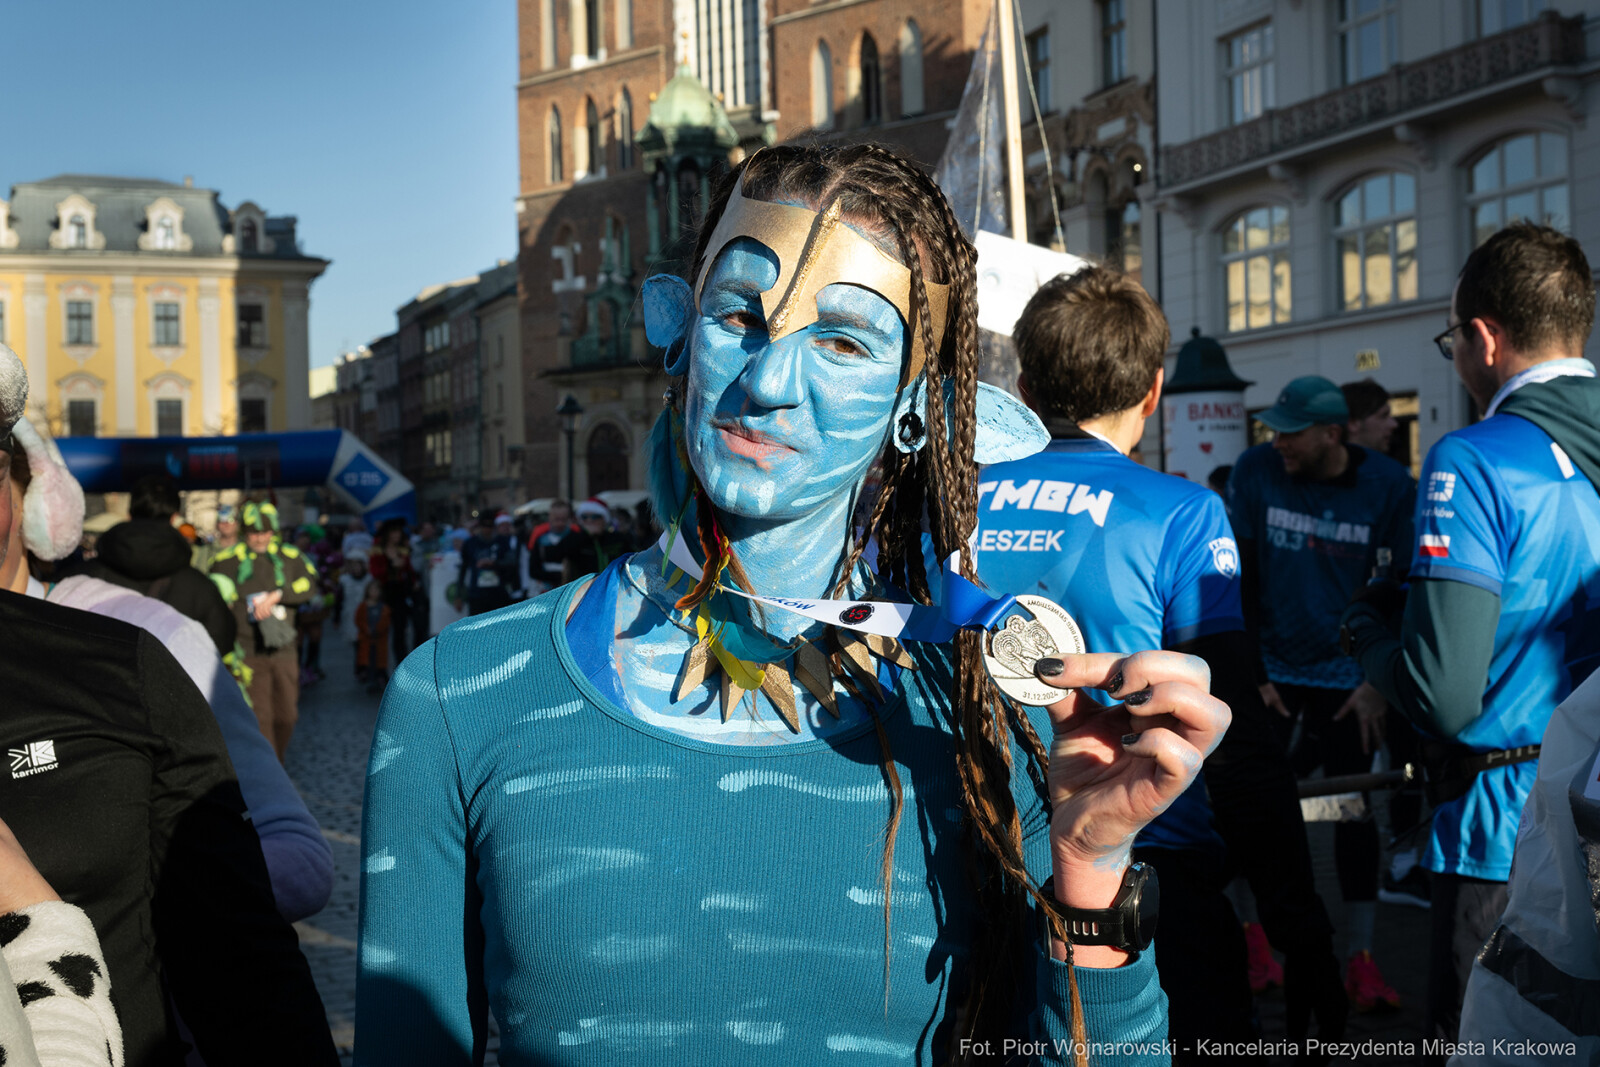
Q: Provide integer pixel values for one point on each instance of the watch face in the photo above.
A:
(1149, 906)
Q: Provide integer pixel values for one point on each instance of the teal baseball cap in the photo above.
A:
(1306, 402)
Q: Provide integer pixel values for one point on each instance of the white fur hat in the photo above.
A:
(13, 389)
(52, 508)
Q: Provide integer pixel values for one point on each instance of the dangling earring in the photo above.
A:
(911, 429)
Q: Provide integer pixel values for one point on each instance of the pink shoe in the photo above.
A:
(1366, 987)
(1264, 970)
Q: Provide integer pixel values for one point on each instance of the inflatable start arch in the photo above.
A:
(336, 459)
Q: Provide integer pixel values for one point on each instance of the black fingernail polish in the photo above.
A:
(1129, 739)
(1116, 684)
(1139, 699)
(1049, 667)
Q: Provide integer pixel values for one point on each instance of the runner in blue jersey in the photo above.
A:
(1503, 617)
(1311, 513)
(1142, 560)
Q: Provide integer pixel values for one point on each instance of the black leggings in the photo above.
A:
(1336, 748)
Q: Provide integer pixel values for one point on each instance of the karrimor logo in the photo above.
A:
(34, 758)
(1441, 486)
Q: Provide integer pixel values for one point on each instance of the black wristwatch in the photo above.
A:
(1130, 922)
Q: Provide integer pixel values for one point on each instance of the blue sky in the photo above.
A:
(388, 128)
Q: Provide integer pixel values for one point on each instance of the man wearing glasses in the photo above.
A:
(1503, 618)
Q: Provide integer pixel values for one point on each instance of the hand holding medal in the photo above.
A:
(1114, 769)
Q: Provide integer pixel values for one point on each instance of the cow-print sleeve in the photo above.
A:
(53, 974)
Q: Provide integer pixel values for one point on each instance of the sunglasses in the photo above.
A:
(1446, 341)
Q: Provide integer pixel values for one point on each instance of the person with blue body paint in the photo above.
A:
(648, 816)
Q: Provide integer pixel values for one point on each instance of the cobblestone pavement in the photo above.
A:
(1400, 948)
(328, 759)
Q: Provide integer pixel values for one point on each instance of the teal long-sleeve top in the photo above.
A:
(619, 893)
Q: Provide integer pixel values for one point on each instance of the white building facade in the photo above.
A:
(1325, 166)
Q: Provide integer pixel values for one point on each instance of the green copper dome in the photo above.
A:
(684, 104)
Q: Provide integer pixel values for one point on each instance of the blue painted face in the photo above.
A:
(781, 430)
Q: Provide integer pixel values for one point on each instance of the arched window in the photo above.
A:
(1123, 242)
(78, 232)
(869, 83)
(1255, 261)
(1097, 202)
(689, 184)
(1521, 177)
(911, 69)
(591, 150)
(554, 142)
(822, 86)
(166, 234)
(248, 238)
(1375, 240)
(624, 119)
(608, 459)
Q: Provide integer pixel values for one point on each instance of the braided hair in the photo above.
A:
(899, 206)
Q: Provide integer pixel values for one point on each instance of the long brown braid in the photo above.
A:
(896, 202)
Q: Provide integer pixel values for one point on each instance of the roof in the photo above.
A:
(441, 295)
(120, 215)
(1202, 367)
(686, 104)
(106, 181)
(497, 282)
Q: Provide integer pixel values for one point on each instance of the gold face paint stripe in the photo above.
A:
(812, 256)
(821, 230)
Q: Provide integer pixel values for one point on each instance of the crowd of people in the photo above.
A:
(697, 796)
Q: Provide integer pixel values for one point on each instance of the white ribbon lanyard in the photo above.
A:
(867, 616)
(1015, 643)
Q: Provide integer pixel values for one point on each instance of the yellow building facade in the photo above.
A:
(147, 308)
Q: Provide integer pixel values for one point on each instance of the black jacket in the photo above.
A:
(120, 790)
(137, 553)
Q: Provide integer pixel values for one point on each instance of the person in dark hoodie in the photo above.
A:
(1501, 623)
(148, 555)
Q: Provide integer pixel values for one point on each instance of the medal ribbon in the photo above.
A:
(962, 604)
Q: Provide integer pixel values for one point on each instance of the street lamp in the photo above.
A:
(569, 411)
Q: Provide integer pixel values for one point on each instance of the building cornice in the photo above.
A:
(1546, 55)
(545, 77)
(1434, 306)
(145, 264)
(816, 9)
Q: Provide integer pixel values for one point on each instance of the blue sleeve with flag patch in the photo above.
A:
(1463, 521)
(1201, 579)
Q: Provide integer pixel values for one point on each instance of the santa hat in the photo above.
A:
(592, 507)
(52, 506)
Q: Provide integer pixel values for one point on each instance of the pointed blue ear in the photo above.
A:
(668, 305)
(1007, 428)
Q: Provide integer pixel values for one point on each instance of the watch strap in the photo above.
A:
(1089, 926)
